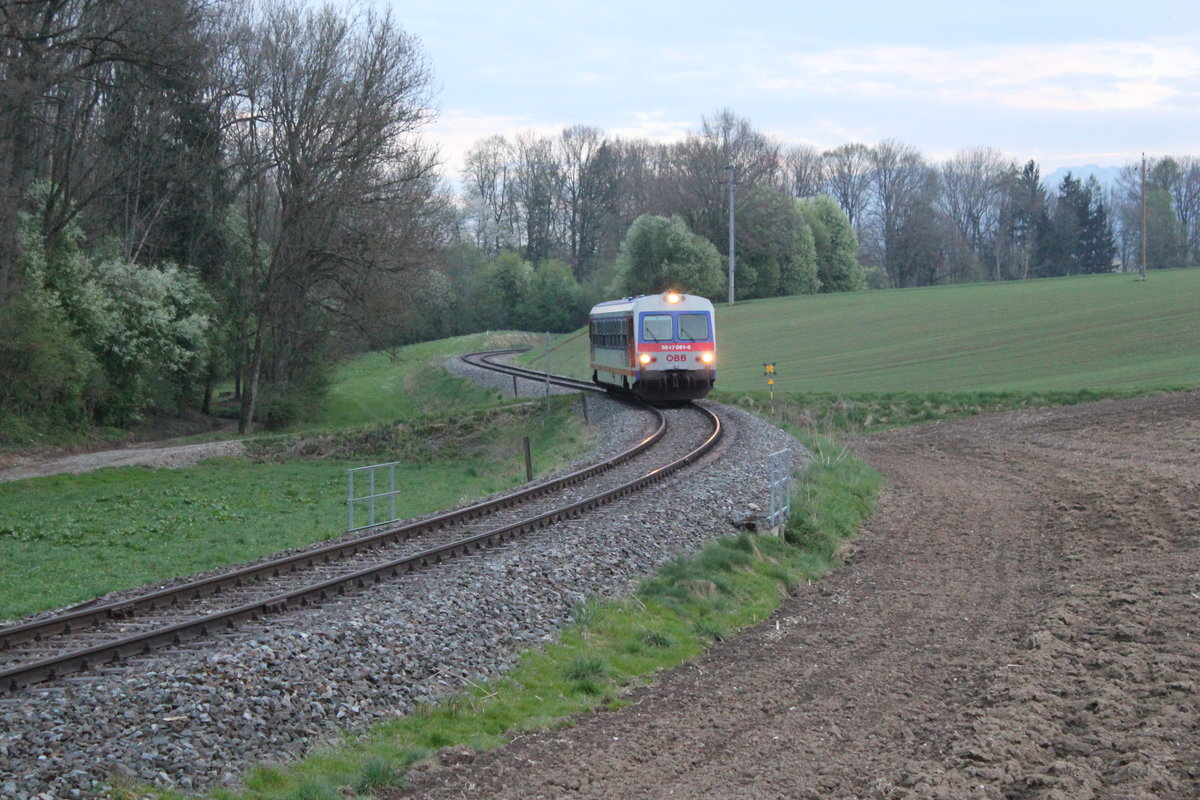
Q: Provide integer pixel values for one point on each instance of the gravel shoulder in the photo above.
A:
(1018, 622)
(192, 717)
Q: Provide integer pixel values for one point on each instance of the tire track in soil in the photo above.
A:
(1019, 621)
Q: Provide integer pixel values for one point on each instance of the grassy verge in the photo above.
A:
(672, 618)
(409, 382)
(69, 538)
(864, 412)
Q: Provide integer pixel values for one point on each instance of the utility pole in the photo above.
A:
(729, 175)
(1143, 259)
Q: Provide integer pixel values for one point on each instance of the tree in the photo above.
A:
(971, 189)
(803, 171)
(1023, 222)
(503, 297)
(899, 180)
(587, 189)
(836, 244)
(660, 254)
(536, 178)
(1079, 238)
(697, 188)
(555, 299)
(1172, 198)
(332, 185)
(74, 76)
(848, 177)
(488, 180)
(775, 250)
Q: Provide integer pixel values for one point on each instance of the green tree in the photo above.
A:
(504, 291)
(151, 334)
(660, 253)
(555, 298)
(116, 336)
(775, 250)
(1079, 238)
(836, 244)
(1166, 245)
(1023, 222)
(49, 375)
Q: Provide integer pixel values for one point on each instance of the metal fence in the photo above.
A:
(374, 496)
(780, 466)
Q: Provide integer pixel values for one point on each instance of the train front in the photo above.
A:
(676, 347)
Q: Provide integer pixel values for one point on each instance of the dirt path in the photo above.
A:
(152, 455)
(1020, 621)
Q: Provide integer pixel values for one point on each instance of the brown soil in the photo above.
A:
(1019, 621)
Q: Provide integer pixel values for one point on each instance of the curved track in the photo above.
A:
(96, 634)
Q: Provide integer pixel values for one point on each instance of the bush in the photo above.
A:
(49, 376)
(660, 254)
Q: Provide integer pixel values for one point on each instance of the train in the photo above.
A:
(661, 348)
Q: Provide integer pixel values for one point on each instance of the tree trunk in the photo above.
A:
(250, 395)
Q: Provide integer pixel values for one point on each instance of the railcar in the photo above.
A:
(659, 347)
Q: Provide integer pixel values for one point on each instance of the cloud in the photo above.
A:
(1095, 77)
(654, 126)
(455, 132)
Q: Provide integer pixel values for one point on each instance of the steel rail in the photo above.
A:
(485, 360)
(45, 669)
(139, 644)
(81, 618)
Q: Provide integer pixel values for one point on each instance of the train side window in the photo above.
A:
(694, 328)
(657, 328)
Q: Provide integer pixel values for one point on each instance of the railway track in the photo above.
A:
(90, 637)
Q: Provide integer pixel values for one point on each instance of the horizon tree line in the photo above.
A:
(979, 215)
(198, 195)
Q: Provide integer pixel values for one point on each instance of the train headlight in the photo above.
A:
(673, 297)
(707, 358)
(645, 358)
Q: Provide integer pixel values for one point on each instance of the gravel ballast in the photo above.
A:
(193, 718)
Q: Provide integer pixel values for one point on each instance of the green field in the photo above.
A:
(1089, 332)
(880, 358)
(68, 538)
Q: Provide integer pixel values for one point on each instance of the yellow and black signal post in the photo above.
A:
(769, 371)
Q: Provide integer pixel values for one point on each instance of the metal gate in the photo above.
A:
(780, 467)
(374, 494)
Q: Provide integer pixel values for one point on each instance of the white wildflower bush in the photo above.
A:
(100, 340)
(151, 331)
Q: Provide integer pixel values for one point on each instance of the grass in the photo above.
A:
(865, 361)
(865, 412)
(409, 382)
(614, 644)
(1060, 334)
(71, 537)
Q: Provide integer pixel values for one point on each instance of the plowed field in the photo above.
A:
(1021, 619)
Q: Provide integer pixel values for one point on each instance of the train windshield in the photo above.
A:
(657, 328)
(694, 328)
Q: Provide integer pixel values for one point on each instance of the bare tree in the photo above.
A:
(972, 183)
(70, 70)
(537, 178)
(848, 178)
(587, 187)
(696, 185)
(898, 182)
(489, 180)
(329, 166)
(804, 171)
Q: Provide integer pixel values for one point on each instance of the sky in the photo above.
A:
(1063, 83)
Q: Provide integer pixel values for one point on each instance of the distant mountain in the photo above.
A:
(1107, 176)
